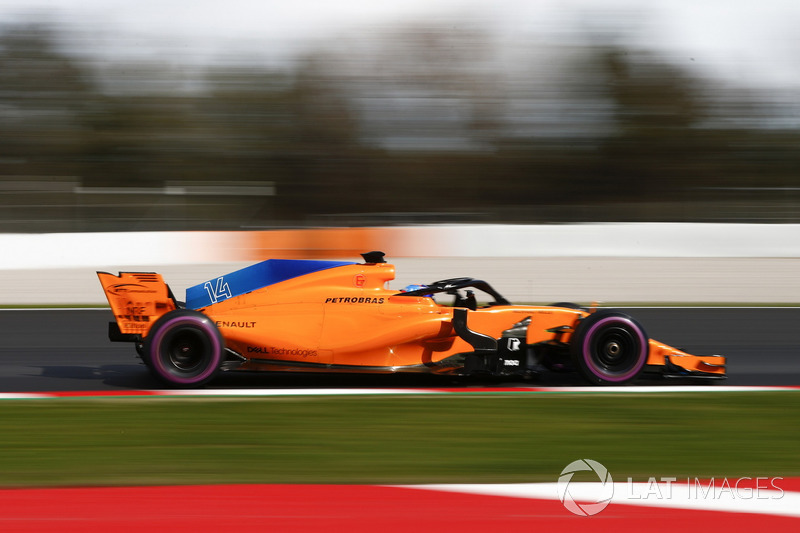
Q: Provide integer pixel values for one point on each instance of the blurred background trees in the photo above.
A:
(424, 124)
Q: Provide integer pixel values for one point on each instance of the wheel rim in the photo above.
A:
(186, 353)
(187, 350)
(616, 350)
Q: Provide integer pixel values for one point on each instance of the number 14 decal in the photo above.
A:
(218, 292)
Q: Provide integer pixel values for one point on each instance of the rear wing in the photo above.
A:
(137, 300)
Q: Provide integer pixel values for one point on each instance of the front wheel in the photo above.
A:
(609, 348)
(184, 348)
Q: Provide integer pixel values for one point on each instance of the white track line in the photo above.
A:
(216, 393)
(667, 388)
(678, 496)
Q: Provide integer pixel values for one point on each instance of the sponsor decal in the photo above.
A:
(134, 318)
(272, 350)
(134, 312)
(359, 280)
(122, 289)
(359, 300)
(234, 324)
(131, 327)
(513, 344)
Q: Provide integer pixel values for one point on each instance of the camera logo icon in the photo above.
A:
(594, 496)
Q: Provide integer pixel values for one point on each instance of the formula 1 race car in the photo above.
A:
(331, 316)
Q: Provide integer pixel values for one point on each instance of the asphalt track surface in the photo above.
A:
(68, 350)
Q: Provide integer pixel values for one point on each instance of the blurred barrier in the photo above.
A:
(610, 262)
(57, 250)
(578, 240)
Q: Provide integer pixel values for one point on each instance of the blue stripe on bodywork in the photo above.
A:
(251, 278)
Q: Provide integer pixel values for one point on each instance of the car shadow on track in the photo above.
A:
(137, 377)
(105, 377)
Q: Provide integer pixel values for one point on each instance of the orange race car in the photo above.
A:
(330, 316)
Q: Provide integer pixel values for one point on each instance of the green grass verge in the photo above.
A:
(368, 439)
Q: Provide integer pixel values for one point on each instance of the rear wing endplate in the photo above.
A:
(137, 299)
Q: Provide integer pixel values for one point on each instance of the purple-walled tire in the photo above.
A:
(609, 348)
(184, 349)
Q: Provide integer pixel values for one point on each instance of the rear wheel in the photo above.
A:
(184, 349)
(609, 348)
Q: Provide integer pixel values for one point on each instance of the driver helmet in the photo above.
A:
(415, 287)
